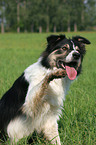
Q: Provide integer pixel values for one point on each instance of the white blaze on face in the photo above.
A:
(70, 55)
(73, 45)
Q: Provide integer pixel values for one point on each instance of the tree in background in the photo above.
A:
(11, 15)
(18, 15)
(2, 15)
(90, 14)
(47, 15)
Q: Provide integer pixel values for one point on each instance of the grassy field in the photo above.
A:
(77, 125)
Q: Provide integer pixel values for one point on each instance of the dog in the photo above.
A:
(35, 100)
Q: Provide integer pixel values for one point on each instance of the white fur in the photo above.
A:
(73, 45)
(69, 57)
(46, 118)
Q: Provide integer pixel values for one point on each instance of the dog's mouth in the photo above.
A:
(71, 68)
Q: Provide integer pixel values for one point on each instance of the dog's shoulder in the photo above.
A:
(35, 73)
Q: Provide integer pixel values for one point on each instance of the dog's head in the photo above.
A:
(65, 53)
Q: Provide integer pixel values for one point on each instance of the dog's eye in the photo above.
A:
(64, 48)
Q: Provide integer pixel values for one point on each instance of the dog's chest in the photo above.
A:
(55, 94)
(57, 88)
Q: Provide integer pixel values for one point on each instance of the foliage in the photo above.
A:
(48, 15)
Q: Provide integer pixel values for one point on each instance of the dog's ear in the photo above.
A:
(55, 38)
(81, 39)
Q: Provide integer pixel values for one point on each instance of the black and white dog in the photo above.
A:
(35, 100)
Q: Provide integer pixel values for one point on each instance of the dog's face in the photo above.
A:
(65, 53)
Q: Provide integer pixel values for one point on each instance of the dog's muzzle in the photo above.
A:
(70, 64)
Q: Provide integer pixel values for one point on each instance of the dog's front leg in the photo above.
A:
(51, 133)
(35, 97)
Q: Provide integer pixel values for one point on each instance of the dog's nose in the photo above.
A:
(76, 55)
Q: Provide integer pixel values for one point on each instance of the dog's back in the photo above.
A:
(11, 102)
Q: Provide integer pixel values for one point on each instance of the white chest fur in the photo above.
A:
(57, 88)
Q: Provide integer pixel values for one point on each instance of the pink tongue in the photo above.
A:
(71, 72)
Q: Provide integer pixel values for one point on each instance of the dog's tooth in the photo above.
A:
(62, 65)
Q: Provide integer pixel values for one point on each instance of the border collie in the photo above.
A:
(34, 101)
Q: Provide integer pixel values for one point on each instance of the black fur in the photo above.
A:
(12, 101)
(54, 39)
(81, 40)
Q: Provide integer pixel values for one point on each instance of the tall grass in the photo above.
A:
(77, 124)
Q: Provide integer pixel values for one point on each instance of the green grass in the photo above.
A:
(77, 125)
